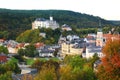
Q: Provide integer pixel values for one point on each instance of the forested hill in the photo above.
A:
(17, 21)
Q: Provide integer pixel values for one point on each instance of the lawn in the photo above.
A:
(31, 61)
(14, 59)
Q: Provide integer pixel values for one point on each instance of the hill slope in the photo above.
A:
(17, 21)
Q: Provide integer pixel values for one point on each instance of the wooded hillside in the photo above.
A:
(13, 22)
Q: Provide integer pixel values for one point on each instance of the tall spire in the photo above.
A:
(100, 26)
(99, 38)
(100, 23)
(51, 17)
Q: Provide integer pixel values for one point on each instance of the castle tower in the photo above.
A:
(99, 38)
(51, 18)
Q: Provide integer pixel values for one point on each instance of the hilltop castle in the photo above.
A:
(41, 22)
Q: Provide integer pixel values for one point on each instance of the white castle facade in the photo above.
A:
(41, 22)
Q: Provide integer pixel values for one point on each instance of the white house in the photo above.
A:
(66, 27)
(72, 37)
(91, 50)
(46, 53)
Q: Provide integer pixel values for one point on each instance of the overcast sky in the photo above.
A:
(107, 9)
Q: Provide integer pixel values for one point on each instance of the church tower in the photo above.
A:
(99, 38)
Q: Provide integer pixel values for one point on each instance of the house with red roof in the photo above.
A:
(3, 58)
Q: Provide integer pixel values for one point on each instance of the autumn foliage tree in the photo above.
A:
(109, 69)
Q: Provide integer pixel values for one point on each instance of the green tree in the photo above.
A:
(55, 52)
(6, 76)
(21, 52)
(3, 50)
(75, 61)
(80, 68)
(12, 66)
(30, 50)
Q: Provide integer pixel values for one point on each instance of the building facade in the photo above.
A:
(41, 22)
(101, 38)
(70, 49)
(66, 27)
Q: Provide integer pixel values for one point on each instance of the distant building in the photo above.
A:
(47, 50)
(72, 37)
(43, 35)
(12, 46)
(91, 50)
(101, 38)
(71, 49)
(46, 53)
(3, 58)
(90, 38)
(12, 50)
(1, 42)
(66, 27)
(39, 45)
(41, 22)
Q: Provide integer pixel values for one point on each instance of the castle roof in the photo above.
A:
(40, 19)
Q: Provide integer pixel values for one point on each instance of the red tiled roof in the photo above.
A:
(2, 40)
(3, 58)
(90, 37)
(111, 36)
(37, 45)
(21, 45)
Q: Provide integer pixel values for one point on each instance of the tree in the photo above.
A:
(66, 73)
(109, 69)
(21, 52)
(74, 61)
(77, 68)
(48, 70)
(29, 51)
(27, 77)
(46, 74)
(3, 50)
(6, 76)
(12, 66)
(55, 52)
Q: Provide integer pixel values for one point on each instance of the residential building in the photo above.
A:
(12, 50)
(103, 38)
(38, 45)
(2, 40)
(66, 27)
(71, 49)
(72, 37)
(3, 58)
(41, 22)
(90, 38)
(61, 40)
(12, 46)
(47, 50)
(91, 50)
(43, 35)
(46, 53)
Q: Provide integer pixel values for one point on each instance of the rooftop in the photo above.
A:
(40, 19)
